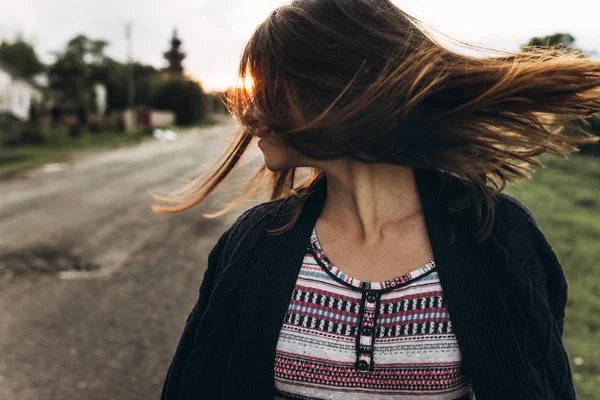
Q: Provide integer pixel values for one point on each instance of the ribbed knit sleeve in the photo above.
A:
(537, 259)
(533, 255)
(525, 242)
(172, 384)
(219, 257)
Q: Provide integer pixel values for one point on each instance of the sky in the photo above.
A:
(214, 31)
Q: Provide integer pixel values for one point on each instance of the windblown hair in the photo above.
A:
(364, 80)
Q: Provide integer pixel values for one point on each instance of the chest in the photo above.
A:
(394, 252)
(252, 299)
(345, 337)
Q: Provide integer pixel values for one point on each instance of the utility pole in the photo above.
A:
(130, 116)
(131, 77)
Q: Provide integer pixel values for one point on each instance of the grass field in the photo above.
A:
(565, 199)
(16, 159)
(59, 147)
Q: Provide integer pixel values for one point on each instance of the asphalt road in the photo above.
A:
(94, 287)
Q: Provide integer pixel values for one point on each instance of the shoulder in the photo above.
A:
(511, 214)
(519, 231)
(522, 237)
(525, 243)
(259, 214)
(249, 225)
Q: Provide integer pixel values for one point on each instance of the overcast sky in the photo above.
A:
(214, 31)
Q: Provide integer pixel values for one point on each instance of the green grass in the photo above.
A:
(13, 161)
(565, 199)
(59, 148)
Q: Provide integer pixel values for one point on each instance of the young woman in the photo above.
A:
(397, 269)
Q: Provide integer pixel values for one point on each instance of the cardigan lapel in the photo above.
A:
(271, 284)
(491, 352)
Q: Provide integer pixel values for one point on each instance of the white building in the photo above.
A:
(16, 93)
(101, 98)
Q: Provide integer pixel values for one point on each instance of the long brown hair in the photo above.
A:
(364, 80)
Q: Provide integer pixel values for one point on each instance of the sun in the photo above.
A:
(247, 83)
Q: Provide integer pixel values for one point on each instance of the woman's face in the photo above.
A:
(279, 155)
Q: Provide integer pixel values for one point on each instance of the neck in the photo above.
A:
(369, 197)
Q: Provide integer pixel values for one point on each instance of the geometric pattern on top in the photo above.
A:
(343, 338)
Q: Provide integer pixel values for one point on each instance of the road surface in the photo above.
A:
(94, 287)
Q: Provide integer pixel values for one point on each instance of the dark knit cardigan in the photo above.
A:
(506, 296)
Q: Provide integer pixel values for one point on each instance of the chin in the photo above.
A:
(275, 156)
(276, 166)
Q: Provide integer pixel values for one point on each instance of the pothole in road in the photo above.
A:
(42, 259)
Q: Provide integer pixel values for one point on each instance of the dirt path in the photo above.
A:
(107, 325)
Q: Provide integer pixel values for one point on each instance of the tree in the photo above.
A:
(174, 56)
(75, 69)
(22, 57)
(147, 80)
(565, 42)
(184, 97)
(560, 41)
(83, 63)
(114, 75)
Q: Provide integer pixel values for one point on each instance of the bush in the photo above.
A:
(22, 134)
(10, 127)
(121, 125)
(75, 131)
(56, 115)
(82, 115)
(182, 96)
(33, 112)
(95, 128)
(14, 132)
(31, 136)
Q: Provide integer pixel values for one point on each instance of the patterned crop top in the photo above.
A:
(346, 339)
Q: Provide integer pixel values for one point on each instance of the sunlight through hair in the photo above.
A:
(376, 86)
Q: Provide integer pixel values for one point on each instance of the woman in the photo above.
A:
(397, 269)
